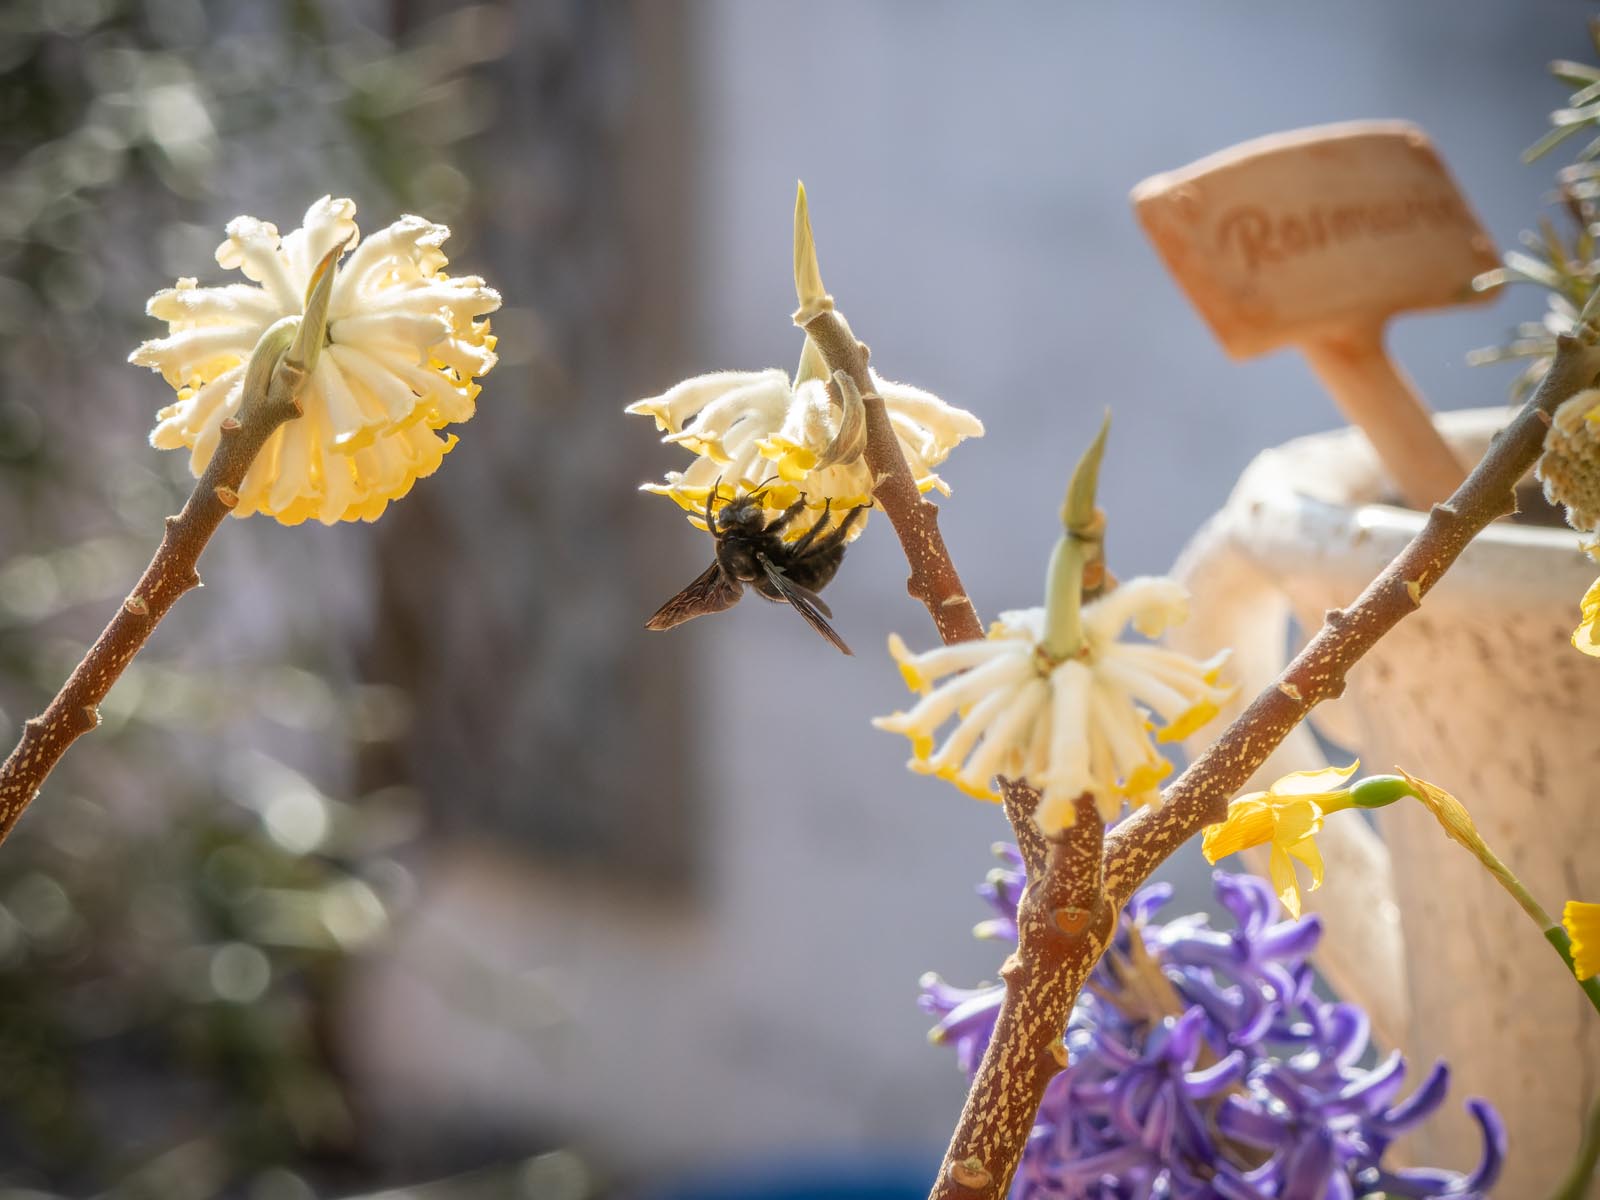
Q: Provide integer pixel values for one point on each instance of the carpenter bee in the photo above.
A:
(751, 549)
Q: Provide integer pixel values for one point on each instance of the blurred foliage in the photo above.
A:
(177, 915)
(165, 991)
(1562, 258)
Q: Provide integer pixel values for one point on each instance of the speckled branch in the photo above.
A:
(933, 576)
(1199, 797)
(1063, 921)
(1063, 927)
(172, 572)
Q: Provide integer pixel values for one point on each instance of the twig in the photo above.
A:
(933, 576)
(1063, 927)
(1199, 797)
(1063, 921)
(273, 383)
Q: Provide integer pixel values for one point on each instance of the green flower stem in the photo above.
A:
(1576, 1185)
(1063, 598)
(1379, 791)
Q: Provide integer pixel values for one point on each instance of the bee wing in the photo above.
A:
(711, 592)
(804, 601)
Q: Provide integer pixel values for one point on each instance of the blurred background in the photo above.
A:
(404, 854)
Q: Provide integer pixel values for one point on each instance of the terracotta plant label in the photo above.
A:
(1314, 238)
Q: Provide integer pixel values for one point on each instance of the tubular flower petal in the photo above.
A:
(404, 343)
(1286, 816)
(1071, 728)
(756, 432)
(1198, 1073)
(1582, 923)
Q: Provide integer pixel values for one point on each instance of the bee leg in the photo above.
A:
(837, 537)
(804, 541)
(711, 524)
(778, 522)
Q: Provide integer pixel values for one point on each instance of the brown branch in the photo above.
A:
(1063, 921)
(172, 572)
(1199, 797)
(933, 576)
(1063, 926)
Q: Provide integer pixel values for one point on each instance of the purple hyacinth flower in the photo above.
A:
(1202, 1065)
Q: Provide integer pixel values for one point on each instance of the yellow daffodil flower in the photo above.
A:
(1582, 922)
(1068, 728)
(1586, 636)
(404, 343)
(1287, 816)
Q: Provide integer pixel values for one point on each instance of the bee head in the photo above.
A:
(743, 515)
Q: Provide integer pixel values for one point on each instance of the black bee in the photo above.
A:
(751, 550)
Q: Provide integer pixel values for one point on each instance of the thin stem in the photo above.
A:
(273, 384)
(1199, 797)
(1576, 1185)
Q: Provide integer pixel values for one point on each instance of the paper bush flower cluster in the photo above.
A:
(754, 431)
(405, 342)
(1202, 1065)
(1071, 728)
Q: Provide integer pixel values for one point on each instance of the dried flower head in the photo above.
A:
(1570, 465)
(755, 431)
(1069, 728)
(404, 343)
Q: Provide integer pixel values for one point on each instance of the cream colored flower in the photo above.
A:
(750, 428)
(404, 344)
(1068, 728)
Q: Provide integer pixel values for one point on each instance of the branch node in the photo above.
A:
(1058, 1051)
(952, 601)
(137, 605)
(970, 1173)
(226, 496)
(90, 714)
(1334, 618)
(1414, 591)
(1290, 690)
(230, 425)
(170, 522)
(1072, 920)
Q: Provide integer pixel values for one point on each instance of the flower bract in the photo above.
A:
(755, 432)
(1071, 728)
(404, 344)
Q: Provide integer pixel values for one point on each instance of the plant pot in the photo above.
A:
(1480, 691)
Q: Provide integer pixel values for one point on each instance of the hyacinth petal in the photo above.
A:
(404, 345)
(1315, 1124)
